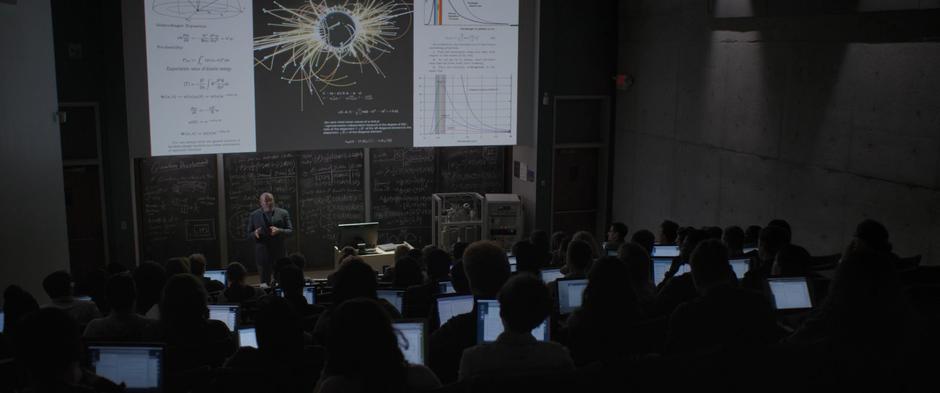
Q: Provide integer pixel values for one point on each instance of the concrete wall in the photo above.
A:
(820, 119)
(33, 239)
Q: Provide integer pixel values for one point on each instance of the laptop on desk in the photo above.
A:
(139, 366)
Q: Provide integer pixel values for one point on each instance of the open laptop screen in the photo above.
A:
(452, 306)
(140, 368)
(247, 337)
(790, 293)
(217, 275)
(227, 313)
(570, 293)
(2, 318)
(739, 266)
(393, 296)
(662, 265)
(411, 340)
(446, 287)
(490, 325)
(665, 250)
(310, 293)
(549, 275)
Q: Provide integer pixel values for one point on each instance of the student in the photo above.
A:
(487, 269)
(58, 286)
(734, 240)
(600, 329)
(149, 278)
(636, 260)
(772, 239)
(751, 236)
(724, 316)
(792, 261)
(354, 279)
(873, 234)
(578, 260)
(291, 280)
(677, 289)
(645, 239)
(407, 272)
(788, 232)
(528, 258)
(560, 241)
(668, 232)
(363, 354)
(16, 303)
(588, 238)
(616, 235)
(122, 323)
(237, 291)
(458, 277)
(524, 303)
(197, 264)
(543, 247)
(178, 265)
(417, 298)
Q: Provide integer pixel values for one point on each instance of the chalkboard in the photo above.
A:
(331, 193)
(246, 177)
(402, 182)
(178, 207)
(471, 169)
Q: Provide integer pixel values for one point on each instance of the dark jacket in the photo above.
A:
(269, 248)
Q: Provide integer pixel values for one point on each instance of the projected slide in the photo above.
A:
(465, 72)
(334, 72)
(200, 76)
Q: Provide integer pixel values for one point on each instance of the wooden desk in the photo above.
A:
(377, 260)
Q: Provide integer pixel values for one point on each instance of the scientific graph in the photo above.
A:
(198, 9)
(466, 13)
(454, 104)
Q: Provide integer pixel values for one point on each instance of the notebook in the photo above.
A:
(570, 293)
(227, 313)
(411, 340)
(790, 293)
(490, 325)
(393, 296)
(452, 306)
(137, 366)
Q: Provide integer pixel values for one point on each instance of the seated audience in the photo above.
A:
(668, 232)
(407, 272)
(734, 240)
(637, 262)
(792, 261)
(237, 291)
(58, 286)
(752, 236)
(417, 299)
(363, 353)
(91, 284)
(458, 277)
(543, 247)
(772, 239)
(197, 265)
(713, 232)
(599, 330)
(724, 316)
(786, 227)
(527, 257)
(487, 269)
(616, 235)
(122, 323)
(560, 241)
(578, 260)
(588, 238)
(645, 239)
(677, 289)
(874, 235)
(149, 278)
(178, 265)
(291, 281)
(354, 279)
(16, 303)
(524, 303)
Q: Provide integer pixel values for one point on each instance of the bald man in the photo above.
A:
(268, 226)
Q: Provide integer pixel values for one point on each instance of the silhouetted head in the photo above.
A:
(772, 239)
(16, 303)
(527, 258)
(579, 257)
(363, 345)
(150, 278)
(791, 261)
(48, 345)
(713, 232)
(751, 235)
(458, 277)
(438, 263)
(636, 260)
(279, 329)
(710, 265)
(605, 292)
(458, 249)
(588, 238)
(354, 279)
(542, 243)
(176, 266)
(734, 239)
(558, 238)
(121, 293)
(873, 234)
(400, 251)
(58, 284)
(782, 224)
(407, 272)
(197, 264)
(184, 303)
(299, 260)
(524, 302)
(691, 240)
(668, 232)
(645, 239)
(235, 274)
(279, 264)
(617, 232)
(487, 268)
(865, 284)
(292, 280)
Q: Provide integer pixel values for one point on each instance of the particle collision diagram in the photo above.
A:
(316, 44)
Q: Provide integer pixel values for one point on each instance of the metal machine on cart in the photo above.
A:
(456, 216)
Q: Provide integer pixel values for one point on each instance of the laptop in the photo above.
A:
(310, 293)
(570, 293)
(227, 313)
(790, 293)
(2, 318)
(748, 250)
(662, 265)
(740, 267)
(393, 296)
(84, 298)
(549, 275)
(140, 367)
(452, 306)
(612, 253)
(412, 339)
(247, 337)
(217, 275)
(512, 263)
(446, 287)
(665, 250)
(490, 325)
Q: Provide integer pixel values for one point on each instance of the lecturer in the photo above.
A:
(268, 226)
